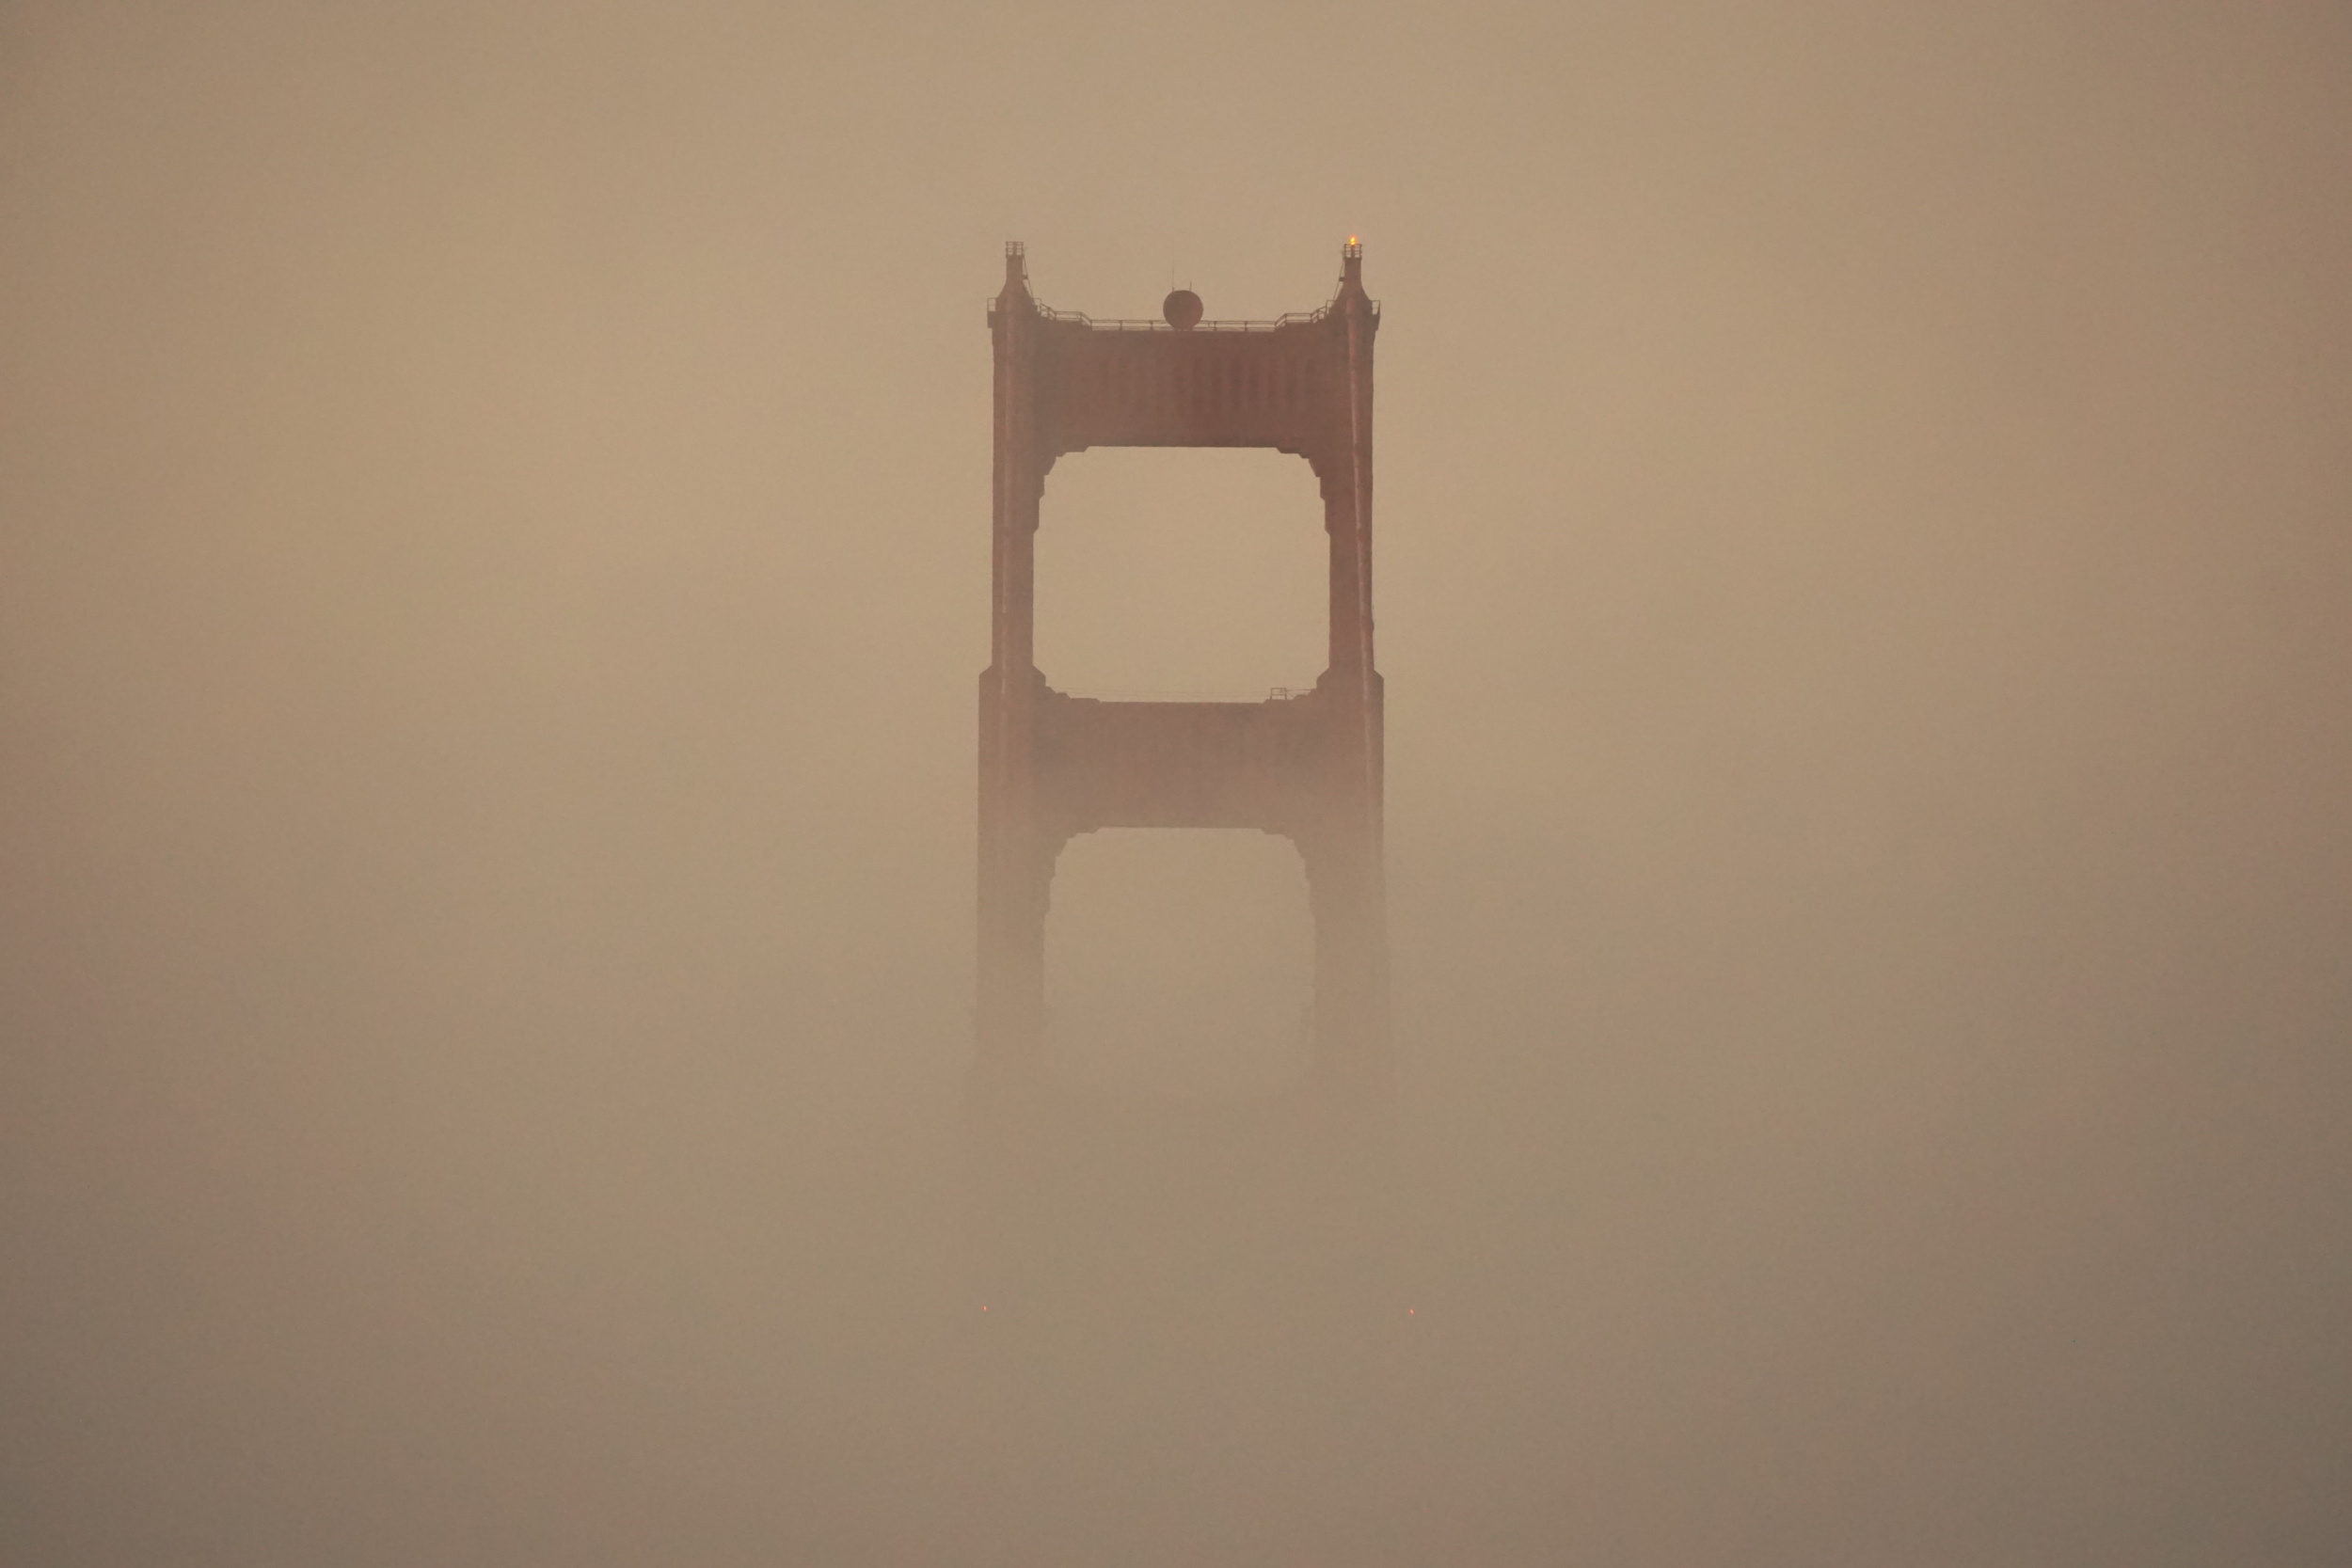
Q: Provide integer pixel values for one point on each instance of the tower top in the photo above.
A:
(1351, 297)
(1014, 295)
(1181, 311)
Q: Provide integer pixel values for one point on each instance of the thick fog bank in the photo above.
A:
(494, 565)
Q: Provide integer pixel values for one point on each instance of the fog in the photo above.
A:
(494, 562)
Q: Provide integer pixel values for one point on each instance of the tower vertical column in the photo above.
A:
(1014, 868)
(1349, 891)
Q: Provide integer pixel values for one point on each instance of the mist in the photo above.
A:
(494, 565)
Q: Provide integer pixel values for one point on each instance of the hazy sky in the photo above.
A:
(494, 508)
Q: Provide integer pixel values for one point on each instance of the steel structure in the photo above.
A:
(1304, 764)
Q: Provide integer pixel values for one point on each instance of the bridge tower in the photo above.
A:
(1307, 766)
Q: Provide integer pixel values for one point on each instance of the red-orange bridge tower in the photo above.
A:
(1309, 766)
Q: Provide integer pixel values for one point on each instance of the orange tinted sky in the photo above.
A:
(493, 557)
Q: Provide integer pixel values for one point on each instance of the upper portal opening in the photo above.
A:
(1182, 572)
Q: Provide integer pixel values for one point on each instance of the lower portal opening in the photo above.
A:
(1179, 962)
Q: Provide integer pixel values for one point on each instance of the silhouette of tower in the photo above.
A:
(1307, 765)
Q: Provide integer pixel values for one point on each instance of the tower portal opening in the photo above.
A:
(1181, 571)
(1179, 962)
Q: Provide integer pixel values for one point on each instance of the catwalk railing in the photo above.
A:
(1079, 318)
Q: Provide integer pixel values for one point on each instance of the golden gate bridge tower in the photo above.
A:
(1307, 766)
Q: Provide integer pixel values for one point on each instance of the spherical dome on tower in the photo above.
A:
(1182, 310)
